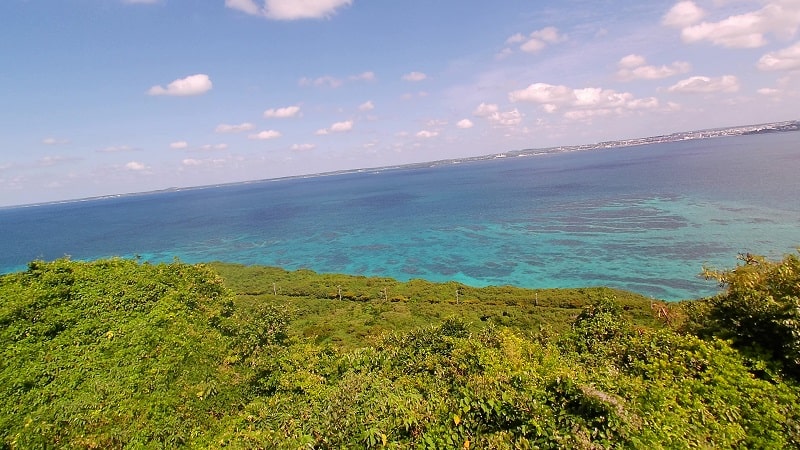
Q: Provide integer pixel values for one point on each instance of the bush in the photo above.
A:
(759, 310)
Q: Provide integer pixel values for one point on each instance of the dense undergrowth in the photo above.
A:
(117, 353)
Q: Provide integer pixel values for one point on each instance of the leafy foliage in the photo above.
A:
(110, 353)
(759, 310)
(114, 353)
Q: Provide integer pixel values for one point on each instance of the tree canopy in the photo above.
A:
(118, 353)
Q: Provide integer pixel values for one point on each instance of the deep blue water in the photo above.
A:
(644, 218)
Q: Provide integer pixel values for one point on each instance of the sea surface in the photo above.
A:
(645, 218)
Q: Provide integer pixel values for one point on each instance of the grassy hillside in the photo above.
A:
(119, 354)
(348, 310)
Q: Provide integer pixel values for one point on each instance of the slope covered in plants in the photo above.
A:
(115, 353)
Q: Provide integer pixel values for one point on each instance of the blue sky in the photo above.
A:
(102, 97)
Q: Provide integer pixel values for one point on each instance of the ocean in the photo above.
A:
(645, 218)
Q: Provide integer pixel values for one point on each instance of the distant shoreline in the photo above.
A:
(741, 130)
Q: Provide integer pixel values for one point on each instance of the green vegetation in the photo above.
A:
(115, 353)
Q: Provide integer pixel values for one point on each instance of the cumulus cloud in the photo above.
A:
(49, 161)
(226, 128)
(210, 147)
(338, 127)
(634, 67)
(581, 103)
(342, 126)
(54, 141)
(192, 162)
(786, 59)
(464, 124)
(282, 113)
(770, 92)
(427, 134)
(192, 85)
(245, 6)
(486, 109)
(265, 135)
(119, 149)
(324, 81)
(364, 76)
(491, 112)
(333, 82)
(135, 166)
(303, 147)
(507, 118)
(683, 14)
(414, 76)
(302, 9)
(289, 9)
(543, 93)
(534, 41)
(177, 145)
(778, 17)
(366, 106)
(705, 85)
(214, 162)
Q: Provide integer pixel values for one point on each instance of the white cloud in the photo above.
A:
(507, 118)
(192, 162)
(54, 141)
(631, 61)
(178, 145)
(302, 9)
(339, 127)
(191, 85)
(701, 84)
(769, 91)
(212, 162)
(303, 147)
(210, 147)
(49, 161)
(427, 134)
(414, 76)
(364, 76)
(264, 135)
(581, 103)
(786, 59)
(515, 39)
(542, 93)
(464, 124)
(226, 128)
(492, 112)
(540, 39)
(634, 67)
(135, 166)
(289, 9)
(486, 109)
(533, 42)
(324, 81)
(778, 17)
(411, 96)
(119, 149)
(282, 113)
(245, 6)
(366, 106)
(683, 14)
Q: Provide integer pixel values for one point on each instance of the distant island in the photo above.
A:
(742, 130)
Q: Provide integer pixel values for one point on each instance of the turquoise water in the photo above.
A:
(644, 218)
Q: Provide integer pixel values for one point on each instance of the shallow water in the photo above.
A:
(644, 218)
